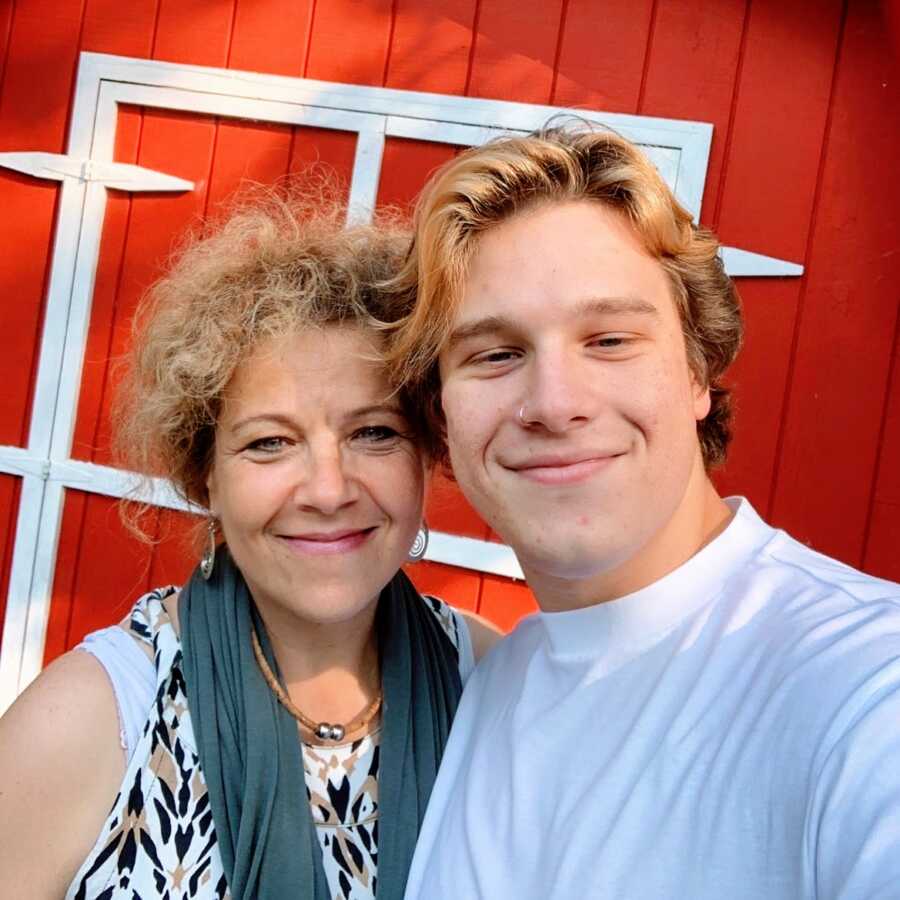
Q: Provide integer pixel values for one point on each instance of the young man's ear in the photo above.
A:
(702, 401)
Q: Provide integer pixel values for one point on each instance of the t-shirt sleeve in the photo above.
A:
(854, 833)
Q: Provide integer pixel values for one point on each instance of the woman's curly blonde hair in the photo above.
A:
(279, 262)
(488, 185)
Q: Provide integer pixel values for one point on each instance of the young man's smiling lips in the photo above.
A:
(324, 543)
(555, 468)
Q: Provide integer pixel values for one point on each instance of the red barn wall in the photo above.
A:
(803, 99)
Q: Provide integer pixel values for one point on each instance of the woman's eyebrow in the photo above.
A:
(387, 408)
(268, 418)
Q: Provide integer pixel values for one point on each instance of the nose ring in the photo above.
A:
(521, 417)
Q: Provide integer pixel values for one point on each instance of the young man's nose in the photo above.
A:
(558, 394)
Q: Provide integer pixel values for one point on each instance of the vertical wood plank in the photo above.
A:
(881, 551)
(350, 40)
(62, 598)
(515, 50)
(6, 21)
(766, 205)
(106, 570)
(247, 153)
(602, 52)
(194, 31)
(270, 36)
(406, 166)
(431, 46)
(33, 115)
(176, 554)
(123, 28)
(323, 154)
(848, 322)
(10, 489)
(701, 40)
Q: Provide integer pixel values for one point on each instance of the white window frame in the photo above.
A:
(680, 149)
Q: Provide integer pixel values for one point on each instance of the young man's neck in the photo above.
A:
(698, 520)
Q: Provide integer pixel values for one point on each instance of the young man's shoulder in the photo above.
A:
(810, 570)
(825, 601)
(826, 635)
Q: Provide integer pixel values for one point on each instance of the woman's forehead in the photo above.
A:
(337, 365)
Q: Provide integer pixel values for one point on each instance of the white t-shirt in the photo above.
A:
(731, 732)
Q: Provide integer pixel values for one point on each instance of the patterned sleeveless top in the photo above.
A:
(159, 839)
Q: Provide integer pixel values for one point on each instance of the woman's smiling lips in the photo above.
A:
(326, 543)
(554, 469)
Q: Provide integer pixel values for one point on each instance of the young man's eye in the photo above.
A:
(496, 357)
(609, 341)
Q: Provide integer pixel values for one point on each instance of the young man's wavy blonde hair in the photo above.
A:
(278, 263)
(487, 185)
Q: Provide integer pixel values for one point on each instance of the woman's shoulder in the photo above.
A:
(472, 635)
(447, 617)
(60, 762)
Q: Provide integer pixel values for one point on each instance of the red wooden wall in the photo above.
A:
(803, 97)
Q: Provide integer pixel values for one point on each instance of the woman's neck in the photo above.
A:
(330, 670)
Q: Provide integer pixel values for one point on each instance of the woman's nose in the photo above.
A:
(327, 486)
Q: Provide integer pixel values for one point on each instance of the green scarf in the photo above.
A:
(250, 751)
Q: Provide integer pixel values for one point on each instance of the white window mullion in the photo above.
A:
(366, 174)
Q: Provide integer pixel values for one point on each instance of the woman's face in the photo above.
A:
(316, 481)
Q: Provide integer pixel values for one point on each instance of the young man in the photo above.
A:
(704, 708)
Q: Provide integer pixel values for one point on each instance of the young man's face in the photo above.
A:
(571, 409)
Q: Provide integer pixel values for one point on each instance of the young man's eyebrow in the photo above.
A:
(477, 328)
(632, 305)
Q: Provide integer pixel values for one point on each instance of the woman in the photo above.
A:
(257, 387)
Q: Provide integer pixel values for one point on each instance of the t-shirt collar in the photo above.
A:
(638, 620)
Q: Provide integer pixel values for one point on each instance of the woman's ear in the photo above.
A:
(212, 500)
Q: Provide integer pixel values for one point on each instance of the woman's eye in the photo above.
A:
(376, 434)
(267, 444)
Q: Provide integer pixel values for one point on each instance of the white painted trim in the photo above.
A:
(471, 553)
(271, 98)
(739, 263)
(122, 176)
(19, 461)
(366, 176)
(20, 598)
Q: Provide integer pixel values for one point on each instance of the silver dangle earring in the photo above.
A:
(420, 544)
(208, 560)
